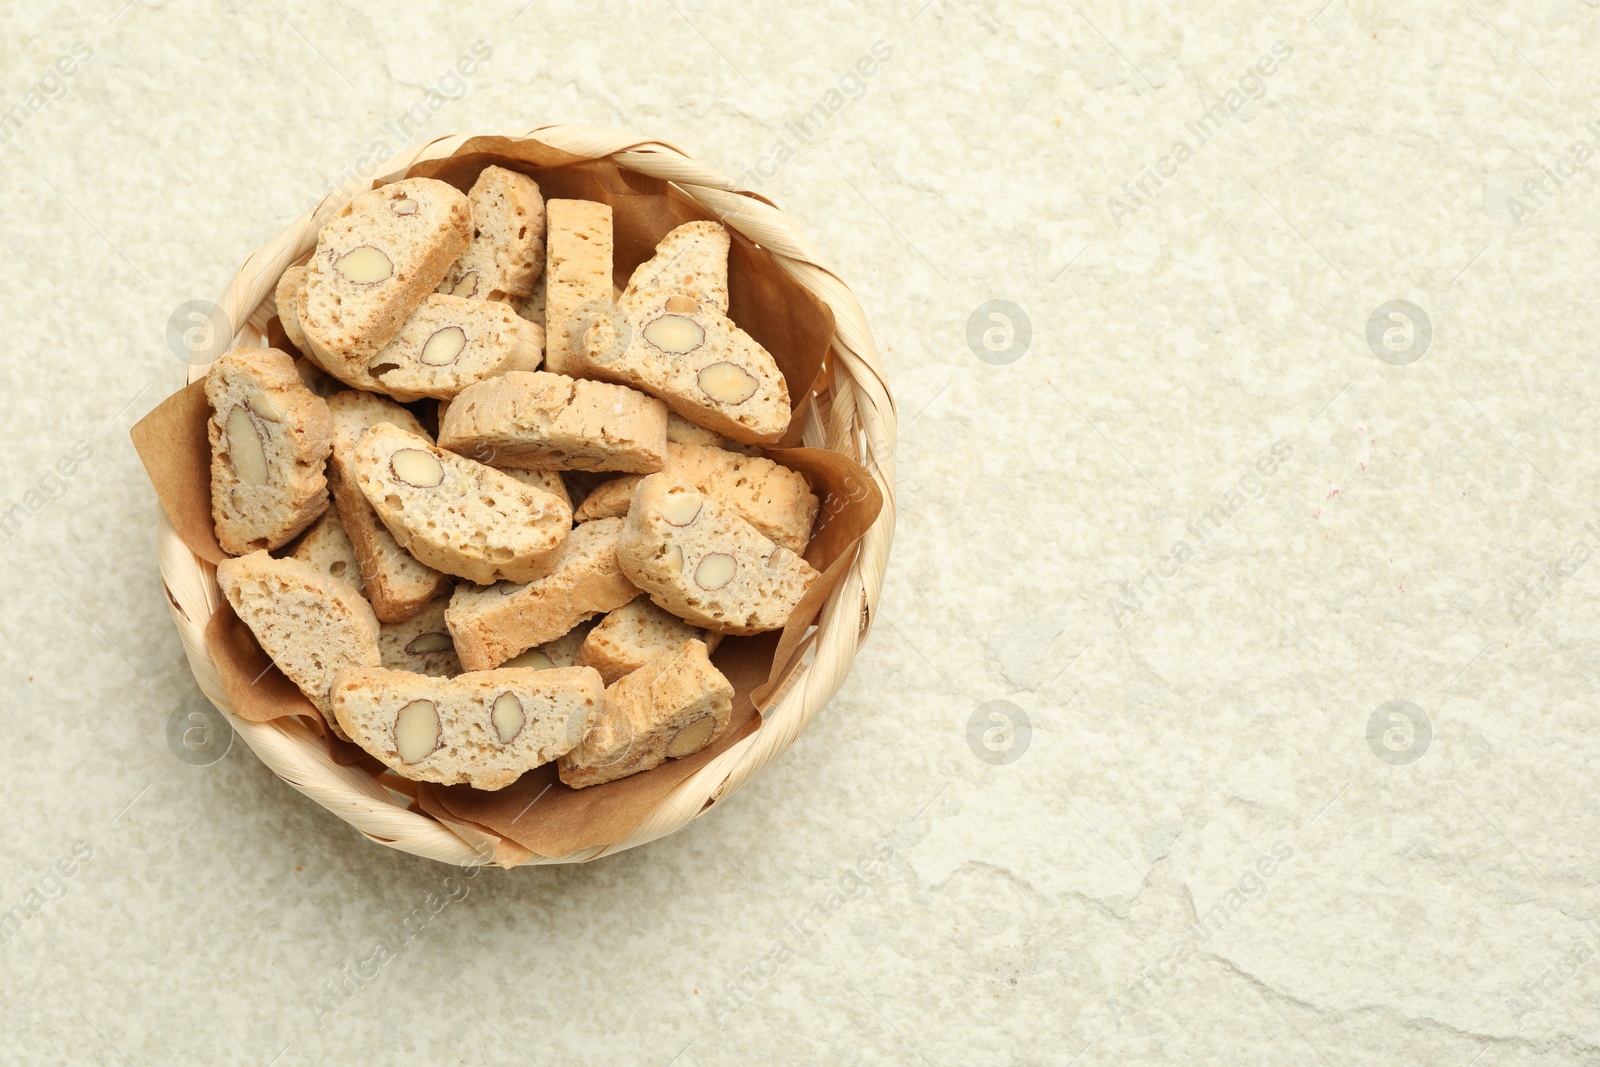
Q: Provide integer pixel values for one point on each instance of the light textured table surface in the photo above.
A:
(1216, 840)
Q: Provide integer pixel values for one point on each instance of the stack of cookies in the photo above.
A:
(547, 503)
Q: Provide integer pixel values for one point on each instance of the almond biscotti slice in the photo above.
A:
(769, 496)
(420, 644)
(312, 625)
(545, 421)
(692, 356)
(285, 296)
(680, 431)
(693, 260)
(633, 635)
(671, 707)
(447, 344)
(484, 729)
(491, 624)
(397, 584)
(562, 652)
(270, 438)
(455, 514)
(578, 253)
(549, 481)
(699, 560)
(375, 261)
(327, 547)
(506, 256)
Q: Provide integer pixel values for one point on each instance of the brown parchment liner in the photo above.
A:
(538, 815)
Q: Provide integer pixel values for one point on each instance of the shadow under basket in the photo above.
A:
(842, 438)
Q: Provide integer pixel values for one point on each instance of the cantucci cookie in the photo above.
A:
(578, 251)
(327, 547)
(633, 635)
(549, 481)
(397, 584)
(493, 623)
(312, 625)
(680, 431)
(699, 560)
(485, 729)
(545, 421)
(447, 344)
(506, 256)
(671, 707)
(270, 438)
(562, 652)
(531, 307)
(769, 496)
(455, 514)
(420, 644)
(693, 260)
(692, 356)
(375, 261)
(285, 296)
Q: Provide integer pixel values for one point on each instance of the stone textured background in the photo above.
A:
(1423, 537)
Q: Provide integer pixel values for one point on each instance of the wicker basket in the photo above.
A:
(852, 413)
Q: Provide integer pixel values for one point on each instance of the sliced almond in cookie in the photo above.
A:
(546, 421)
(506, 256)
(375, 261)
(311, 624)
(270, 437)
(491, 625)
(769, 496)
(447, 344)
(702, 562)
(397, 584)
(691, 355)
(578, 252)
(455, 514)
(484, 729)
(693, 260)
(673, 706)
(420, 644)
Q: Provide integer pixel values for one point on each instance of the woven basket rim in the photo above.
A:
(859, 419)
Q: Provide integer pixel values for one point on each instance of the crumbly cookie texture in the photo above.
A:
(673, 706)
(270, 438)
(491, 624)
(375, 261)
(397, 584)
(702, 562)
(578, 250)
(327, 547)
(455, 514)
(680, 431)
(549, 481)
(447, 344)
(285, 296)
(312, 625)
(485, 729)
(562, 652)
(693, 260)
(545, 421)
(633, 635)
(506, 256)
(769, 496)
(420, 644)
(692, 356)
